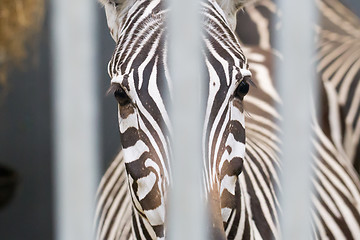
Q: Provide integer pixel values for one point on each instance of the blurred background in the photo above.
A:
(26, 124)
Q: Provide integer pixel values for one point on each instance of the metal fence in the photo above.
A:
(76, 124)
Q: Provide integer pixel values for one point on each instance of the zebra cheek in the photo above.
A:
(126, 110)
(238, 105)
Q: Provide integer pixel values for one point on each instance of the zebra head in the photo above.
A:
(140, 81)
(228, 78)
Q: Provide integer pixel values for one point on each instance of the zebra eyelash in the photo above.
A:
(247, 113)
(249, 80)
(113, 87)
(120, 94)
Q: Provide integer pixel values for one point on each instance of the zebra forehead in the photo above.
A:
(140, 57)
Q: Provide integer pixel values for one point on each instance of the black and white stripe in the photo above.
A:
(139, 70)
(339, 67)
(338, 57)
(138, 76)
(241, 174)
(224, 125)
(336, 185)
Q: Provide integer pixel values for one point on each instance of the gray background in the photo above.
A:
(26, 136)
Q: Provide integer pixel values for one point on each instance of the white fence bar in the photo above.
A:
(296, 75)
(187, 209)
(75, 116)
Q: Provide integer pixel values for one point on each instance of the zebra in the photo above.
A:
(241, 173)
(335, 221)
(139, 74)
(337, 58)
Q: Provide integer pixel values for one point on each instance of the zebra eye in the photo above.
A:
(242, 89)
(121, 96)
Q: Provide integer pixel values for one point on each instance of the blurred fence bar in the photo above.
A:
(296, 75)
(187, 209)
(75, 116)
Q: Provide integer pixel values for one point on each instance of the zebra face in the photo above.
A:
(228, 78)
(225, 130)
(144, 131)
(224, 138)
(141, 81)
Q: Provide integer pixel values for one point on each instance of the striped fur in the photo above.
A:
(336, 184)
(114, 207)
(336, 199)
(240, 179)
(339, 67)
(337, 59)
(139, 68)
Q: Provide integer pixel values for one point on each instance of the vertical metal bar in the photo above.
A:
(296, 75)
(75, 116)
(187, 209)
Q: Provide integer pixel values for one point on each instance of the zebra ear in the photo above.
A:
(115, 10)
(115, 3)
(231, 7)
